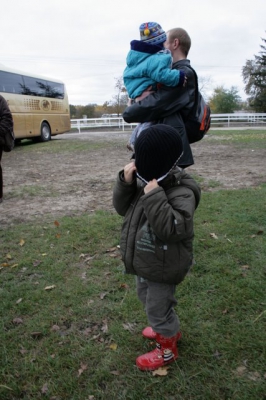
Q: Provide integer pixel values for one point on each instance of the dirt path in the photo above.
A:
(40, 183)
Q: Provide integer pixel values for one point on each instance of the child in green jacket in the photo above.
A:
(157, 200)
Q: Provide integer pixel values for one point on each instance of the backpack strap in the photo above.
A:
(193, 110)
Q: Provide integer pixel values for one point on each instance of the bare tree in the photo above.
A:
(120, 99)
(205, 84)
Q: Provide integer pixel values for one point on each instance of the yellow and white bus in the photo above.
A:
(39, 105)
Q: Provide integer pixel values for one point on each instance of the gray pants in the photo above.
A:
(159, 302)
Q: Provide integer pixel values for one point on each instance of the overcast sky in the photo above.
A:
(85, 42)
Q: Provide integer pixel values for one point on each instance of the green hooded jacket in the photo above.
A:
(157, 232)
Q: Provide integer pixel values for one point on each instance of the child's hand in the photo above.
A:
(150, 186)
(129, 172)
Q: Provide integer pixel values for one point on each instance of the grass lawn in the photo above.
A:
(71, 322)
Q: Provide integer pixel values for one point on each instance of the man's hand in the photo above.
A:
(129, 172)
(150, 186)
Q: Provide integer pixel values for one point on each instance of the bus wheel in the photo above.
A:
(45, 132)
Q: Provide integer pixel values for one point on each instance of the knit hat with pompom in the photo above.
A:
(152, 33)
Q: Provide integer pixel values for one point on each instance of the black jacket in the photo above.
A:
(6, 120)
(168, 106)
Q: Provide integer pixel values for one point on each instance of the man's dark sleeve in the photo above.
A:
(157, 105)
(6, 120)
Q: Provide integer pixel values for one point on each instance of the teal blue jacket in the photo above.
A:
(148, 65)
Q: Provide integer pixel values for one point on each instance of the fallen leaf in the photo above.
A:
(44, 254)
(217, 354)
(124, 286)
(18, 301)
(241, 370)
(104, 328)
(44, 389)
(9, 257)
(213, 236)
(129, 326)
(87, 331)
(113, 346)
(17, 321)
(83, 368)
(55, 328)
(5, 265)
(162, 371)
(254, 376)
(58, 235)
(56, 223)
(94, 337)
(117, 373)
(36, 335)
(87, 257)
(22, 242)
(36, 263)
(102, 295)
(111, 249)
(50, 287)
(14, 265)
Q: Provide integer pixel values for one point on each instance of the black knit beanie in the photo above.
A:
(157, 150)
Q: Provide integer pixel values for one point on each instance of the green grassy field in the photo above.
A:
(71, 322)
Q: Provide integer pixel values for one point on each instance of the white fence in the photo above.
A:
(114, 122)
(217, 120)
(238, 119)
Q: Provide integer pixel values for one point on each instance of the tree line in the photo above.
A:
(222, 100)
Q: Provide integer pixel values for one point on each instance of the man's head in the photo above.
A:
(152, 33)
(157, 151)
(178, 42)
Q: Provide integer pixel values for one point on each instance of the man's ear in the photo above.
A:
(176, 43)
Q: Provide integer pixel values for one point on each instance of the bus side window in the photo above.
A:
(11, 83)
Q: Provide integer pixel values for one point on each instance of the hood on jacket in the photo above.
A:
(178, 177)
